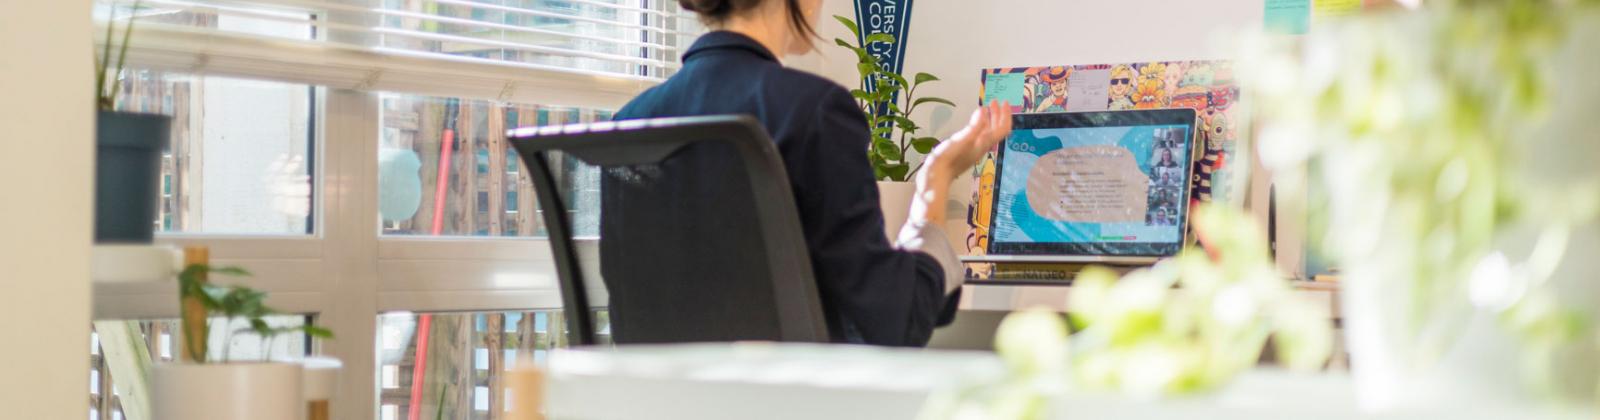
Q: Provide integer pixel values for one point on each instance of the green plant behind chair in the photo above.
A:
(894, 134)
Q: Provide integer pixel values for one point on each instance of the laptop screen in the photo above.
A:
(1094, 183)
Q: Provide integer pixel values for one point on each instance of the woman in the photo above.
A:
(872, 292)
(1167, 160)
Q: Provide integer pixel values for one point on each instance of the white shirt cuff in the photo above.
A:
(930, 239)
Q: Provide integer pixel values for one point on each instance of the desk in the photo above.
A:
(808, 381)
(977, 296)
(984, 304)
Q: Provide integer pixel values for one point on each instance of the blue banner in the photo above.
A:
(891, 17)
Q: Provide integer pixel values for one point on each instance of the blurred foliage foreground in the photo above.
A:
(1187, 324)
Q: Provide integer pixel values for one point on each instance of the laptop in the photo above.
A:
(1107, 187)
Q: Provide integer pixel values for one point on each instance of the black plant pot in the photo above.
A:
(127, 175)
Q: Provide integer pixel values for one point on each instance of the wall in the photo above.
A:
(955, 39)
(46, 158)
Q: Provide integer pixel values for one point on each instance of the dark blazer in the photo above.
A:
(871, 292)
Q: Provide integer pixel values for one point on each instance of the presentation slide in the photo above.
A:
(1093, 185)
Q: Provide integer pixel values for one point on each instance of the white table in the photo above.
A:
(751, 381)
(789, 381)
(981, 296)
(985, 303)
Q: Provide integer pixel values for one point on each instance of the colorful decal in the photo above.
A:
(1207, 87)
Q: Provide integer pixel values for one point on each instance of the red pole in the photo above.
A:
(443, 185)
(419, 367)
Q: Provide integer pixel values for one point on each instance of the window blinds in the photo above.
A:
(590, 53)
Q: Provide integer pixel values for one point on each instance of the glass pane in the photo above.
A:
(464, 356)
(118, 349)
(241, 156)
(484, 190)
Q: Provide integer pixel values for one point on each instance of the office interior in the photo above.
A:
(342, 209)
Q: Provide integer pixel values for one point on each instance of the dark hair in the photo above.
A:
(716, 11)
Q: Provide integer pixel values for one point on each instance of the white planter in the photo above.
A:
(320, 382)
(895, 200)
(321, 378)
(228, 391)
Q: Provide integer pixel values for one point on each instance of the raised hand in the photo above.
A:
(989, 125)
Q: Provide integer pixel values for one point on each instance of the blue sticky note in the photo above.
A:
(1005, 87)
(1291, 17)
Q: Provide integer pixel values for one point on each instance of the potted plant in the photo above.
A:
(204, 387)
(894, 134)
(1458, 192)
(127, 151)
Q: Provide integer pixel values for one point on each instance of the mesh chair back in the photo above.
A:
(700, 239)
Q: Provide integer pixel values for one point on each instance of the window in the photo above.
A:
(241, 159)
(308, 143)
(483, 187)
(464, 355)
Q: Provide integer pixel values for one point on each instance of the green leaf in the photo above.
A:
(189, 284)
(854, 29)
(886, 91)
(924, 100)
(261, 328)
(879, 97)
(104, 62)
(861, 53)
(1135, 326)
(887, 150)
(881, 82)
(879, 37)
(900, 81)
(110, 100)
(896, 172)
(214, 297)
(866, 69)
(443, 390)
(877, 164)
(882, 132)
(318, 332)
(1076, 322)
(861, 94)
(255, 306)
(232, 271)
(924, 145)
(924, 77)
(905, 124)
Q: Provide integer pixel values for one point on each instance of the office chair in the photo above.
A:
(700, 238)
